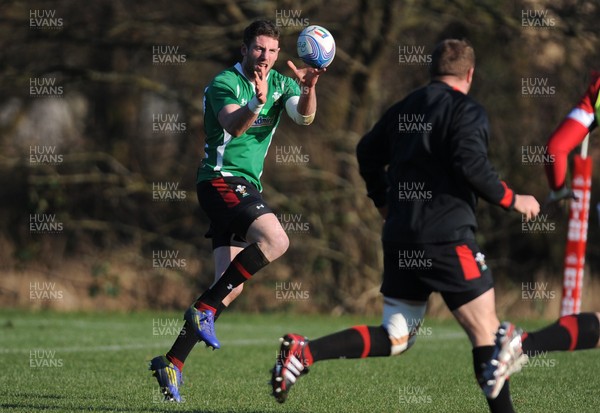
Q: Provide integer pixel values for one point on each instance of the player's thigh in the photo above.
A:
(232, 204)
(460, 274)
(402, 276)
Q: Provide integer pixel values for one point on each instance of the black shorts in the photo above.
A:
(232, 204)
(456, 270)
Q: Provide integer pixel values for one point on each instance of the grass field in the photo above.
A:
(98, 362)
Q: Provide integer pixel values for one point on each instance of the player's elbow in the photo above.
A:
(555, 147)
(234, 131)
(291, 107)
(305, 123)
(303, 120)
(232, 123)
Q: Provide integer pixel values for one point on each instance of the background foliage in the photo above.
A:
(102, 126)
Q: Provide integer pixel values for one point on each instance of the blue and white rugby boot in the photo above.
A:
(203, 322)
(508, 358)
(169, 377)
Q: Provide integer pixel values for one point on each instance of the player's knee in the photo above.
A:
(402, 336)
(402, 320)
(275, 245)
(283, 243)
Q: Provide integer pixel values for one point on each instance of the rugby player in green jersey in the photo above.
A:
(242, 108)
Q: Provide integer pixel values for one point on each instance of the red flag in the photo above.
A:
(577, 236)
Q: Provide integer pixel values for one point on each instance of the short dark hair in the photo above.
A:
(452, 57)
(260, 28)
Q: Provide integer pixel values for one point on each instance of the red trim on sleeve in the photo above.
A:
(467, 262)
(591, 94)
(570, 323)
(509, 196)
(364, 333)
(569, 134)
(563, 140)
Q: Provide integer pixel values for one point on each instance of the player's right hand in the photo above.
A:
(527, 205)
(307, 76)
(260, 82)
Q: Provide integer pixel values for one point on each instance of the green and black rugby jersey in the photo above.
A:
(241, 156)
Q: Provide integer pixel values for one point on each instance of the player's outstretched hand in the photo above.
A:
(559, 195)
(308, 76)
(553, 201)
(527, 205)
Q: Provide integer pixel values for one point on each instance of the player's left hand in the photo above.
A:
(560, 194)
(552, 204)
(308, 76)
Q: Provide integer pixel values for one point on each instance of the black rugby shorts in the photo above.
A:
(232, 204)
(456, 270)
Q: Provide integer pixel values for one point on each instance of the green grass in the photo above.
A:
(98, 362)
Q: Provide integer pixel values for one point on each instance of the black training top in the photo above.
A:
(434, 145)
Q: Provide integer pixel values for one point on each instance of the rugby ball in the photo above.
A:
(316, 46)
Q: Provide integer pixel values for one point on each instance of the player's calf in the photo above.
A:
(572, 332)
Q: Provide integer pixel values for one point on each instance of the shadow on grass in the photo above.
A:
(7, 407)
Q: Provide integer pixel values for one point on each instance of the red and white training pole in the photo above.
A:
(579, 209)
